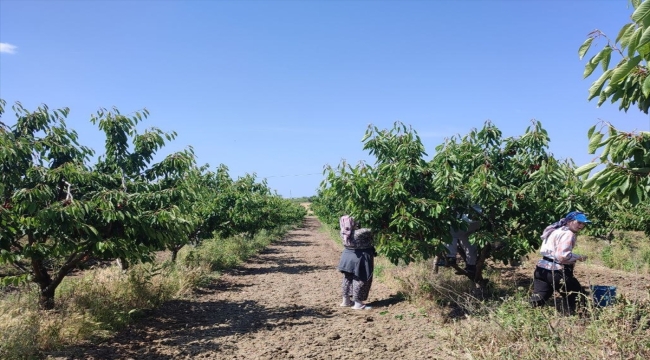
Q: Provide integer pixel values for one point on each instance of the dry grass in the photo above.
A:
(90, 306)
(101, 301)
(628, 251)
(497, 322)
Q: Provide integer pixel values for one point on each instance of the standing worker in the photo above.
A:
(554, 272)
(357, 263)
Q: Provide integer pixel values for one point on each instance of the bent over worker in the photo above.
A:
(554, 272)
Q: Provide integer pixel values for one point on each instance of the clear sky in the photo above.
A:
(282, 88)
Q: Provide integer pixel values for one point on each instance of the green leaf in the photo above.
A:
(367, 135)
(641, 12)
(642, 171)
(605, 153)
(585, 47)
(605, 93)
(604, 54)
(646, 87)
(619, 152)
(625, 185)
(590, 67)
(625, 39)
(636, 196)
(594, 142)
(645, 38)
(592, 180)
(599, 55)
(634, 41)
(597, 86)
(644, 50)
(14, 280)
(622, 32)
(585, 169)
(617, 95)
(591, 131)
(608, 56)
(622, 71)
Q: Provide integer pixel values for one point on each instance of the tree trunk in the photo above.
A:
(46, 297)
(175, 254)
(47, 284)
(480, 263)
(123, 263)
(44, 281)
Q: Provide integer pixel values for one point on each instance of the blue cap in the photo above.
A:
(582, 218)
(577, 215)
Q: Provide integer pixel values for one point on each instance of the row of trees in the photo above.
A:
(57, 211)
(411, 203)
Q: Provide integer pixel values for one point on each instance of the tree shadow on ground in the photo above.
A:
(277, 264)
(188, 328)
(285, 267)
(191, 328)
(298, 235)
(292, 242)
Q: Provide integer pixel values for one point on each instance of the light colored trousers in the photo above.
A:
(462, 237)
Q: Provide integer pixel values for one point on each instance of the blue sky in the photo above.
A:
(283, 88)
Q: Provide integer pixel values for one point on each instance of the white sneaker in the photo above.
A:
(346, 304)
(362, 307)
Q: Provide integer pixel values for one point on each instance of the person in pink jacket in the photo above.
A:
(554, 272)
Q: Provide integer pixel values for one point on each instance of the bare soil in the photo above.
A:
(282, 304)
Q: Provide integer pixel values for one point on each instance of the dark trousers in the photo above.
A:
(545, 282)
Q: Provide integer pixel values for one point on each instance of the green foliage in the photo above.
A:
(625, 158)
(328, 206)
(58, 212)
(636, 219)
(395, 198)
(222, 253)
(511, 179)
(625, 165)
(227, 207)
(304, 199)
(411, 203)
(142, 201)
(627, 82)
(253, 207)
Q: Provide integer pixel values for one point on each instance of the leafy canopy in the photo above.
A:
(624, 160)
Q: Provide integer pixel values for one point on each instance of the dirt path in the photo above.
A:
(282, 304)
